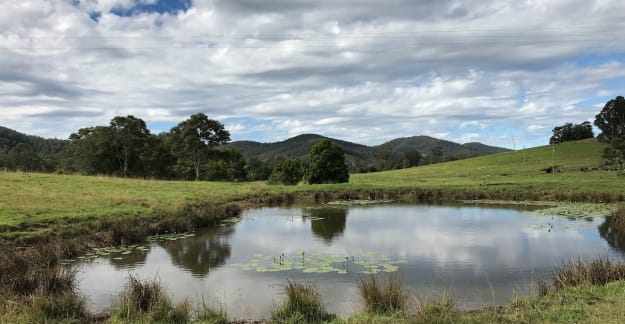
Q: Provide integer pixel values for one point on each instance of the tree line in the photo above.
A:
(192, 150)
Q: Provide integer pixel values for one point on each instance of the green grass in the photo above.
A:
(27, 198)
(585, 304)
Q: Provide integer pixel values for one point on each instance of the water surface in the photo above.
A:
(477, 255)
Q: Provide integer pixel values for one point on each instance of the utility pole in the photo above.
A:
(553, 158)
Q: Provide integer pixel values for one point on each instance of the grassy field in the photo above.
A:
(28, 198)
(61, 216)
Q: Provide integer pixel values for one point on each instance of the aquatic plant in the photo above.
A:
(366, 263)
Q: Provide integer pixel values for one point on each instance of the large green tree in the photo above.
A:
(130, 140)
(195, 138)
(327, 164)
(90, 151)
(611, 122)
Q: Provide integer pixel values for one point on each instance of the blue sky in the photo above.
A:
(498, 72)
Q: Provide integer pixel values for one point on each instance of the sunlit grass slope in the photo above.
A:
(34, 198)
(515, 169)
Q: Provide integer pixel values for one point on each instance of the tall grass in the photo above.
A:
(302, 305)
(598, 271)
(209, 315)
(382, 295)
(147, 301)
(441, 311)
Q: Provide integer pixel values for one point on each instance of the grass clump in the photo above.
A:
(208, 315)
(145, 301)
(598, 271)
(66, 308)
(442, 311)
(302, 305)
(382, 296)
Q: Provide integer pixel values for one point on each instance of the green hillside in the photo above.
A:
(360, 158)
(33, 198)
(509, 169)
(10, 138)
(425, 144)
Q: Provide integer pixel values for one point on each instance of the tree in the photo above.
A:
(257, 169)
(287, 171)
(21, 157)
(611, 122)
(130, 140)
(195, 138)
(571, 132)
(327, 164)
(90, 151)
(436, 155)
(159, 161)
(3, 159)
(413, 157)
(611, 119)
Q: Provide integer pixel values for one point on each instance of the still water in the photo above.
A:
(478, 256)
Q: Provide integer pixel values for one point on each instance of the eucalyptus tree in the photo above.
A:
(130, 140)
(195, 138)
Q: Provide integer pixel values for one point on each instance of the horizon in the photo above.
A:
(499, 73)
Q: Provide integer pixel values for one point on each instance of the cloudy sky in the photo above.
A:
(499, 72)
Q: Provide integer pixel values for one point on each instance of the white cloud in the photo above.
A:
(366, 73)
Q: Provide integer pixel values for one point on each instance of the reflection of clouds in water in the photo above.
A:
(474, 253)
(475, 237)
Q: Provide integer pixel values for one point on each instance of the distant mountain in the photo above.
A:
(10, 138)
(361, 156)
(451, 150)
(298, 146)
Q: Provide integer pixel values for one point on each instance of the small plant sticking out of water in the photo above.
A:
(302, 305)
(146, 301)
(382, 295)
(599, 271)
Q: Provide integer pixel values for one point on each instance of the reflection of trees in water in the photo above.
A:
(327, 223)
(613, 234)
(199, 254)
(137, 257)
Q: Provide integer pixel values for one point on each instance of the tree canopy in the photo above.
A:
(611, 119)
(571, 132)
(287, 171)
(327, 164)
(611, 122)
(195, 138)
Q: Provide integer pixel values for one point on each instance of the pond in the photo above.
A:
(477, 255)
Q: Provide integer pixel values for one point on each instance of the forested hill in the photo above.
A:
(425, 145)
(298, 146)
(10, 138)
(392, 154)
